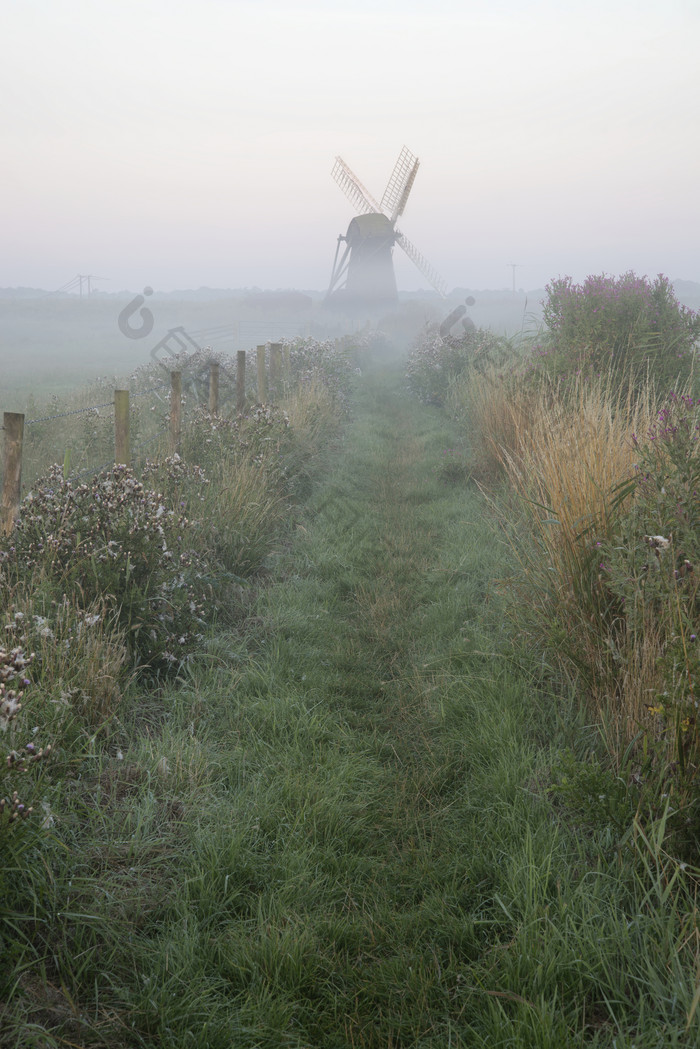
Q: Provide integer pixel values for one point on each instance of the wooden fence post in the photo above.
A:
(175, 411)
(275, 369)
(213, 388)
(240, 380)
(287, 365)
(262, 376)
(121, 427)
(13, 425)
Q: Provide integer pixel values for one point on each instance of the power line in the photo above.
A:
(78, 281)
(88, 278)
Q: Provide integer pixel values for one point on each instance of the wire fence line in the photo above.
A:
(152, 439)
(90, 472)
(30, 449)
(153, 389)
(140, 447)
(94, 407)
(194, 381)
(81, 440)
(133, 394)
(65, 415)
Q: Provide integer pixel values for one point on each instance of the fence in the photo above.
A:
(205, 388)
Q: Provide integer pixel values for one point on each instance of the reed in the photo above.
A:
(569, 471)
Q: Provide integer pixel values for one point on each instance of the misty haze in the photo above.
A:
(349, 546)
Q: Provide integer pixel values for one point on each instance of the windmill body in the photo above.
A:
(363, 272)
(370, 239)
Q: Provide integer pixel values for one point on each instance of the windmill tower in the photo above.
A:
(363, 275)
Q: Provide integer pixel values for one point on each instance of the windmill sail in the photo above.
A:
(400, 184)
(361, 198)
(421, 263)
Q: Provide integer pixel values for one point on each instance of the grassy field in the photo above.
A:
(340, 826)
(49, 344)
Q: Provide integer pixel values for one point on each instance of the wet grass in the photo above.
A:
(337, 830)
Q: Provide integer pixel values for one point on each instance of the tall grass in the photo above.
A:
(567, 471)
(583, 474)
(243, 512)
(80, 654)
(311, 410)
(495, 414)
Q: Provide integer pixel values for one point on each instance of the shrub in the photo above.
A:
(628, 325)
(14, 682)
(652, 565)
(259, 434)
(435, 363)
(78, 656)
(593, 793)
(328, 363)
(113, 540)
(183, 485)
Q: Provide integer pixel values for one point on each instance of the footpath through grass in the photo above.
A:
(341, 835)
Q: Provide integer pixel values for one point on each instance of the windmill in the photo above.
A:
(363, 275)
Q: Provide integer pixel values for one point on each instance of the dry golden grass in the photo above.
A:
(640, 681)
(577, 451)
(497, 415)
(565, 469)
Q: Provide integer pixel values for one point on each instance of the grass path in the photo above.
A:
(345, 838)
(390, 757)
(375, 693)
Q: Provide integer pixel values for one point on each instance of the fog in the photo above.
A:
(53, 343)
(191, 145)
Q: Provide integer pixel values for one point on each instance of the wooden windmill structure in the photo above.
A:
(363, 274)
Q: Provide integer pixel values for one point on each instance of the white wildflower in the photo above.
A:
(658, 542)
(48, 820)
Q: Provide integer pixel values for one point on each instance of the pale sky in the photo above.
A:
(179, 143)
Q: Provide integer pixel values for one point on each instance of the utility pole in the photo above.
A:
(513, 266)
(88, 277)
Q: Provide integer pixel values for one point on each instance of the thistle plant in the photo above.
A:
(182, 483)
(79, 656)
(434, 363)
(259, 434)
(328, 363)
(114, 540)
(653, 566)
(13, 685)
(13, 681)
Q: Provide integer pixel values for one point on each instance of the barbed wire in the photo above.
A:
(64, 415)
(151, 440)
(91, 471)
(219, 330)
(153, 389)
(94, 407)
